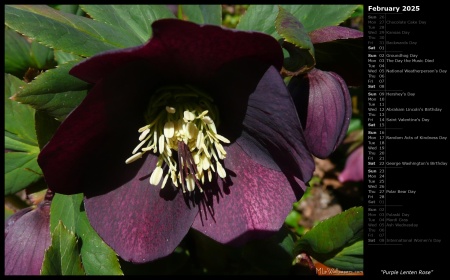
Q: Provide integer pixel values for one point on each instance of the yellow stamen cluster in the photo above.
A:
(182, 119)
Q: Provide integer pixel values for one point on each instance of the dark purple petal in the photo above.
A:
(185, 51)
(26, 240)
(253, 203)
(340, 49)
(13, 218)
(140, 221)
(354, 167)
(332, 33)
(324, 106)
(232, 97)
(273, 134)
(268, 165)
(346, 108)
(94, 141)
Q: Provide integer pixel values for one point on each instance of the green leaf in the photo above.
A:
(20, 54)
(63, 57)
(337, 241)
(19, 118)
(41, 56)
(292, 220)
(259, 18)
(202, 14)
(359, 11)
(355, 124)
(262, 17)
(317, 16)
(135, 20)
(65, 208)
(59, 104)
(21, 167)
(212, 14)
(53, 81)
(21, 170)
(71, 9)
(297, 43)
(67, 32)
(54, 91)
(63, 255)
(349, 259)
(17, 53)
(17, 144)
(98, 258)
(191, 13)
(292, 31)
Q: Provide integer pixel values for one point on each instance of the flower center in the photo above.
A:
(182, 119)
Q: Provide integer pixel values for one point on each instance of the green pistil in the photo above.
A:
(182, 119)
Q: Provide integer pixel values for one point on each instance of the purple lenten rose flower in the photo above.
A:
(27, 236)
(324, 107)
(354, 167)
(194, 129)
(321, 96)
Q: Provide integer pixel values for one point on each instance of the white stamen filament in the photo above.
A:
(170, 110)
(139, 146)
(143, 128)
(184, 116)
(164, 181)
(212, 126)
(144, 134)
(196, 157)
(205, 163)
(221, 138)
(191, 130)
(190, 182)
(209, 175)
(220, 150)
(189, 116)
(221, 171)
(169, 129)
(202, 114)
(161, 143)
(134, 158)
(156, 176)
(207, 120)
(173, 176)
(155, 140)
(199, 142)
